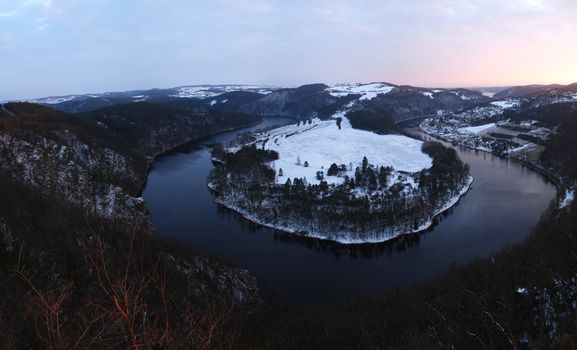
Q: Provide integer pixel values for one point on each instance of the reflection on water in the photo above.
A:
(504, 204)
(357, 251)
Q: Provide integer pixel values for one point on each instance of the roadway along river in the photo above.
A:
(504, 204)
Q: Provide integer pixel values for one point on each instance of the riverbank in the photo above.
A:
(168, 149)
(555, 179)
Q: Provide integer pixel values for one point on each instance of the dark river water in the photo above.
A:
(504, 204)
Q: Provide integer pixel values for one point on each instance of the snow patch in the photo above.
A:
(567, 199)
(54, 100)
(367, 91)
(476, 129)
(506, 104)
(520, 149)
(208, 91)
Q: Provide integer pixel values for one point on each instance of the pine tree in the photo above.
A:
(280, 173)
(372, 179)
(358, 176)
(287, 187)
(383, 176)
(333, 170)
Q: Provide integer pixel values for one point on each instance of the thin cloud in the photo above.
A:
(128, 44)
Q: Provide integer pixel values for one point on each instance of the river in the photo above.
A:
(504, 204)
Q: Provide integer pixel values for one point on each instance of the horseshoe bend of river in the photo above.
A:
(504, 204)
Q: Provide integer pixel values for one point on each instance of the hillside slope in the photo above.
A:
(77, 253)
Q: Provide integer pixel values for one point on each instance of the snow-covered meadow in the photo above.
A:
(321, 143)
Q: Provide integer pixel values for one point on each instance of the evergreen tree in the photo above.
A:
(333, 170)
(371, 179)
(383, 176)
(287, 187)
(358, 177)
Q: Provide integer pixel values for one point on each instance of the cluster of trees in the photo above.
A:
(304, 121)
(373, 202)
(371, 120)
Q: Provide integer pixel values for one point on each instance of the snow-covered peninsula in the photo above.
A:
(327, 180)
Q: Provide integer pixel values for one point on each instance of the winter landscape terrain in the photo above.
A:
(329, 153)
(343, 172)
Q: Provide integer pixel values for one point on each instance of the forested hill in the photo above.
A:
(78, 264)
(151, 128)
(561, 151)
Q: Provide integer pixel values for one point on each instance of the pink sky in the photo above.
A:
(52, 47)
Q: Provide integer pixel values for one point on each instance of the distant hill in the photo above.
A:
(300, 102)
(87, 102)
(522, 91)
(152, 128)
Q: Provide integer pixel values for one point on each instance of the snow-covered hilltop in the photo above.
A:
(327, 180)
(190, 91)
(205, 91)
(367, 91)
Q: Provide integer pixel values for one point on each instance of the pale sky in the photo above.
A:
(56, 47)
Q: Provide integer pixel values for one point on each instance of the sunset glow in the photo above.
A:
(69, 46)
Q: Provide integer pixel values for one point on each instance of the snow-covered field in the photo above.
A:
(367, 91)
(506, 104)
(477, 129)
(321, 143)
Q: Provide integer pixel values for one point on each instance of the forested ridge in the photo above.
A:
(80, 265)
